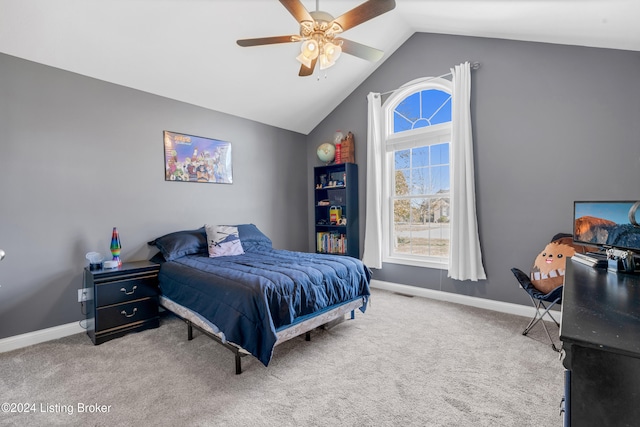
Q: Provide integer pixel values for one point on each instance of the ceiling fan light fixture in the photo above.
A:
(304, 60)
(325, 62)
(309, 51)
(332, 51)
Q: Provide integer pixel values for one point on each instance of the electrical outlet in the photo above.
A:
(83, 295)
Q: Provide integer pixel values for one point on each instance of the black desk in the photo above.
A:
(600, 336)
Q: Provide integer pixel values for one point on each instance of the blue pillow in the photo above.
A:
(180, 243)
(250, 236)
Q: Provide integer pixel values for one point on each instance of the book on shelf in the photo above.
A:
(331, 242)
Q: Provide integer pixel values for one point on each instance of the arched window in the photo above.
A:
(417, 174)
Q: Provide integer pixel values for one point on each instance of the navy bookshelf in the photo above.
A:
(336, 209)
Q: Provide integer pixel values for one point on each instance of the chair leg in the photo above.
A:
(548, 313)
(538, 304)
(536, 316)
(553, 346)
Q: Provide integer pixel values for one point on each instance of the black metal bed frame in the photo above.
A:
(283, 335)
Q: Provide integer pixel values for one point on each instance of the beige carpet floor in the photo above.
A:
(407, 361)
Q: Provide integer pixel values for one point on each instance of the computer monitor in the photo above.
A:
(607, 224)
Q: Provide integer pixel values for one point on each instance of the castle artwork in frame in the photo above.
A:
(192, 158)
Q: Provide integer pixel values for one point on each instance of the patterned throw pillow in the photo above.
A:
(223, 240)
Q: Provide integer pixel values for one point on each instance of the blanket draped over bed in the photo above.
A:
(250, 297)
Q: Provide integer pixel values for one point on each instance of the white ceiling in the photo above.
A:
(186, 50)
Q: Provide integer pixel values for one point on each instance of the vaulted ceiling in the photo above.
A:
(186, 49)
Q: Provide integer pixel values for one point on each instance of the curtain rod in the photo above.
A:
(473, 65)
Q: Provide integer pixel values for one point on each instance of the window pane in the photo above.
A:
(419, 181)
(439, 232)
(443, 115)
(432, 101)
(400, 123)
(420, 239)
(419, 211)
(439, 240)
(401, 211)
(439, 179)
(402, 183)
(440, 154)
(402, 159)
(440, 210)
(406, 113)
(420, 226)
(401, 239)
(409, 107)
(421, 123)
(420, 157)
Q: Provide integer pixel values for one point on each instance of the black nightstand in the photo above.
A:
(121, 300)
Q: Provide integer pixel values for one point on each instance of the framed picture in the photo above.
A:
(192, 158)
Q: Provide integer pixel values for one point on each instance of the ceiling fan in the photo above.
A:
(319, 31)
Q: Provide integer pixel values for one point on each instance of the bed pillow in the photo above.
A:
(180, 243)
(223, 240)
(250, 237)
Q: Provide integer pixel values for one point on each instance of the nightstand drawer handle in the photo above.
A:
(124, 313)
(129, 293)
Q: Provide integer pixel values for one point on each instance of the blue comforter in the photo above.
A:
(250, 297)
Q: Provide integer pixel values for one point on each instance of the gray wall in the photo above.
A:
(552, 124)
(80, 156)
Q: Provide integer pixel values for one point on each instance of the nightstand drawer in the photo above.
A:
(126, 290)
(123, 314)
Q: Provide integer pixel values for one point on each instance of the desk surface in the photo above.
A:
(601, 309)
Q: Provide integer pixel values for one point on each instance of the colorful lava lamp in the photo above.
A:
(115, 246)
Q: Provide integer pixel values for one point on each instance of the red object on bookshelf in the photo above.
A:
(338, 158)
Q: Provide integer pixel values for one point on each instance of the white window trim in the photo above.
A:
(408, 139)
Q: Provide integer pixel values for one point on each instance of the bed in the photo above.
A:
(256, 299)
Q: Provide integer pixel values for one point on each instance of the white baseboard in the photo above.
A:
(42, 335)
(503, 307)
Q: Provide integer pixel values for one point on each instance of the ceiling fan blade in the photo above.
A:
(366, 11)
(307, 71)
(360, 50)
(297, 10)
(266, 40)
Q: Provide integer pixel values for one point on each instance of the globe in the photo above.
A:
(326, 152)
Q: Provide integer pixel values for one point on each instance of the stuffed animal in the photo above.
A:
(547, 272)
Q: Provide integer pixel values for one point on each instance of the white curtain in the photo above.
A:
(465, 256)
(372, 256)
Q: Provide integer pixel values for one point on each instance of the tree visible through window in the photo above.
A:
(418, 186)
